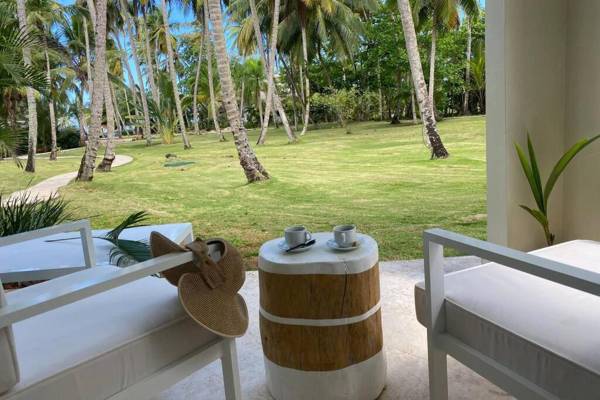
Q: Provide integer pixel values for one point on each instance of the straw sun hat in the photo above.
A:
(208, 289)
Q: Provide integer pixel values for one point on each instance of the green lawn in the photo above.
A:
(12, 178)
(379, 177)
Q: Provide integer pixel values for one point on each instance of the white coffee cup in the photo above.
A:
(345, 235)
(296, 235)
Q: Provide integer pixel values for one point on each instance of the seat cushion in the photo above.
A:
(546, 332)
(96, 347)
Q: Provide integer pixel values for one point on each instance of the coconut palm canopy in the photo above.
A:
(82, 72)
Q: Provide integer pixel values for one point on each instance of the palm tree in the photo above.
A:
(138, 69)
(444, 15)
(86, 168)
(41, 16)
(314, 23)
(173, 72)
(31, 107)
(468, 67)
(196, 83)
(253, 169)
(149, 63)
(211, 83)
(410, 37)
(269, 66)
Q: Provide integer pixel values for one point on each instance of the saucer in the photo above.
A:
(283, 246)
(332, 244)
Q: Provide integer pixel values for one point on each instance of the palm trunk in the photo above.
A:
(380, 95)
(86, 168)
(437, 147)
(413, 109)
(31, 106)
(109, 150)
(173, 74)
(259, 101)
(81, 118)
(242, 99)
(125, 62)
(196, 81)
(211, 86)
(88, 56)
(466, 110)
(138, 70)
(290, 77)
(253, 169)
(53, 149)
(306, 81)
(118, 115)
(268, 67)
(432, 65)
(149, 64)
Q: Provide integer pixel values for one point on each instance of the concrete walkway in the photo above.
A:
(405, 342)
(49, 187)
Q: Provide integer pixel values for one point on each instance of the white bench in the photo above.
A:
(528, 322)
(107, 333)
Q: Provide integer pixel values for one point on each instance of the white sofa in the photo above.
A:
(530, 323)
(106, 333)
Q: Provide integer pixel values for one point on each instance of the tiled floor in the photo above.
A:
(404, 339)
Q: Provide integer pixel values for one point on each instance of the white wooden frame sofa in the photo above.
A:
(528, 322)
(104, 333)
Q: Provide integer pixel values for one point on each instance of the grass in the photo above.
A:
(13, 178)
(379, 177)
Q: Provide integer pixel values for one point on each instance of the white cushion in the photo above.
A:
(96, 347)
(9, 367)
(546, 332)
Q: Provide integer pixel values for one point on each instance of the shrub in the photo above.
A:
(26, 213)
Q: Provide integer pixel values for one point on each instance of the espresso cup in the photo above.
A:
(296, 235)
(345, 235)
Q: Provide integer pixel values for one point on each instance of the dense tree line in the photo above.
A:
(99, 69)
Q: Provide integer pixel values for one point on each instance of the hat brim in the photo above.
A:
(219, 311)
(161, 245)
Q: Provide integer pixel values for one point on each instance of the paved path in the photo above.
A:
(48, 187)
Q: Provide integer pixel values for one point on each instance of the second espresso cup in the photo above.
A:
(345, 235)
(296, 235)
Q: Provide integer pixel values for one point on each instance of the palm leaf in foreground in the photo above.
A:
(127, 252)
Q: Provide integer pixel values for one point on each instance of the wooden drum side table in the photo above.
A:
(320, 321)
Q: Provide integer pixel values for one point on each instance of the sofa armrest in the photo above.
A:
(45, 296)
(564, 274)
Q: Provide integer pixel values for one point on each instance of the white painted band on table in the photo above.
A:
(361, 381)
(320, 322)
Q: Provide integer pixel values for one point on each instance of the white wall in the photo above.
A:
(526, 82)
(582, 180)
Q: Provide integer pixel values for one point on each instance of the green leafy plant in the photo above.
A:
(127, 252)
(27, 213)
(542, 194)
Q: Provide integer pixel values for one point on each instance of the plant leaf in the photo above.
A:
(535, 173)
(129, 251)
(563, 162)
(537, 214)
(538, 195)
(131, 221)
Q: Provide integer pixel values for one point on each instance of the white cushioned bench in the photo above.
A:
(104, 333)
(97, 347)
(538, 331)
